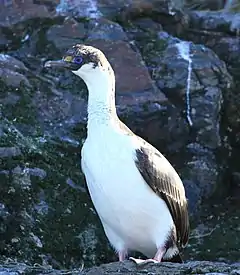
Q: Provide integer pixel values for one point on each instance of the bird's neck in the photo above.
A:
(101, 99)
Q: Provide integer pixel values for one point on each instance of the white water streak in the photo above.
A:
(228, 5)
(184, 51)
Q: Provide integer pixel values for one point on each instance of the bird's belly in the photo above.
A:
(126, 205)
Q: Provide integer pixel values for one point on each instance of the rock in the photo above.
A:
(215, 21)
(8, 152)
(37, 172)
(103, 29)
(128, 267)
(17, 199)
(95, 29)
(11, 71)
(168, 13)
(65, 35)
(13, 78)
(12, 63)
(219, 31)
(3, 40)
(85, 8)
(111, 8)
(167, 59)
(205, 5)
(236, 179)
(13, 12)
(4, 216)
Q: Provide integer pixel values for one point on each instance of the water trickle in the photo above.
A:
(228, 5)
(184, 51)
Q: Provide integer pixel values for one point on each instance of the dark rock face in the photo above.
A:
(13, 12)
(180, 96)
(220, 32)
(167, 61)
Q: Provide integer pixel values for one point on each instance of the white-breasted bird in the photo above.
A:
(139, 197)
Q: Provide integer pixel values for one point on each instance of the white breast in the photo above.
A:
(133, 216)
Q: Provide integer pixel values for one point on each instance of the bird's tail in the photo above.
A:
(175, 259)
(173, 255)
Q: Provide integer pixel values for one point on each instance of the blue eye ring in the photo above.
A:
(78, 60)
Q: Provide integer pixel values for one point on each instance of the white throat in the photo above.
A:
(101, 94)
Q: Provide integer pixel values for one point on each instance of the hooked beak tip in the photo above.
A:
(47, 64)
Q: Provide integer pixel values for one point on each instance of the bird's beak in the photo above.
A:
(57, 64)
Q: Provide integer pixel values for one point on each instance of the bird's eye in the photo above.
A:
(78, 60)
(68, 58)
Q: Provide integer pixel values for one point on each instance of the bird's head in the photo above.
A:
(84, 61)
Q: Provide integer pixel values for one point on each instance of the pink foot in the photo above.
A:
(122, 255)
(157, 258)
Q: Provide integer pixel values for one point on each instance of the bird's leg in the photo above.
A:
(160, 252)
(122, 255)
(157, 258)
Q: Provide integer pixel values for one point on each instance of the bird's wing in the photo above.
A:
(165, 182)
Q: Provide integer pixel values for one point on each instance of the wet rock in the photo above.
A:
(4, 215)
(3, 40)
(13, 78)
(17, 199)
(88, 241)
(138, 8)
(11, 63)
(111, 8)
(8, 152)
(168, 13)
(168, 61)
(205, 5)
(208, 79)
(127, 267)
(220, 32)
(216, 218)
(95, 29)
(37, 172)
(85, 8)
(106, 30)
(236, 179)
(65, 35)
(13, 12)
(3, 211)
(214, 22)
(11, 71)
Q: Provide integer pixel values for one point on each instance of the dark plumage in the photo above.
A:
(166, 184)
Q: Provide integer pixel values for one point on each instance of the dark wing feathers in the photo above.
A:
(164, 181)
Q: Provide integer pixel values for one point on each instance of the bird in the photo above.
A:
(138, 195)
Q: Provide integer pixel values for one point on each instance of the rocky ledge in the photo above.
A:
(129, 268)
